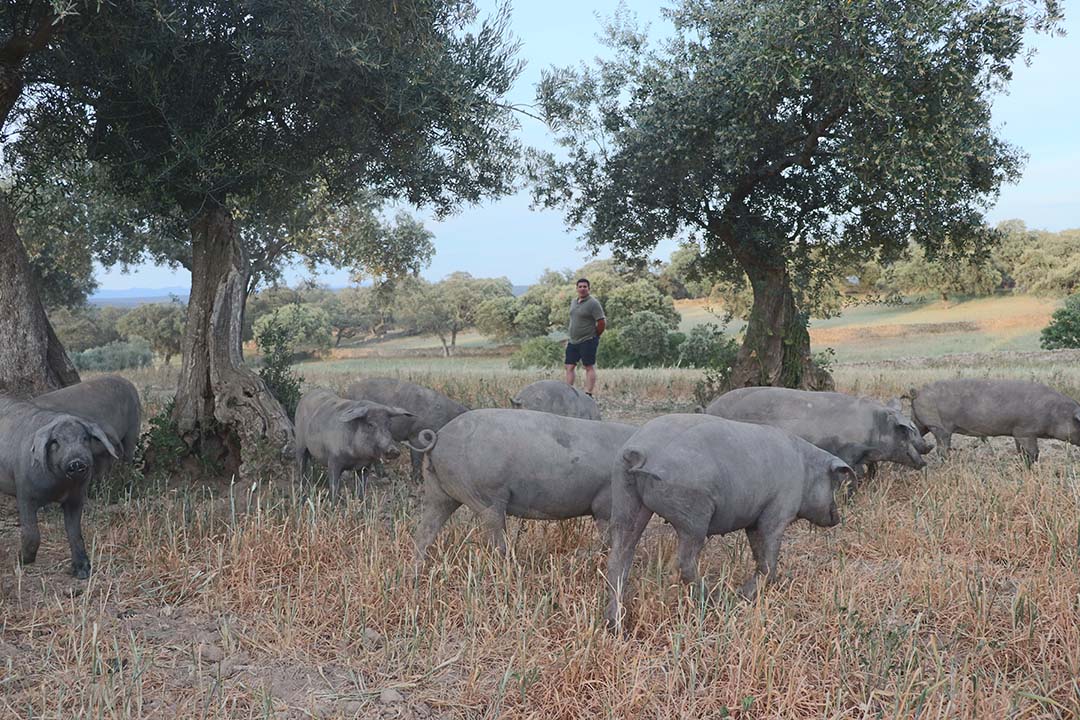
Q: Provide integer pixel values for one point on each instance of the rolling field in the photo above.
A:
(917, 328)
(949, 593)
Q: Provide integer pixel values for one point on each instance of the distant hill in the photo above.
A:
(138, 296)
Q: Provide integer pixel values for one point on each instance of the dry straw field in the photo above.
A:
(950, 593)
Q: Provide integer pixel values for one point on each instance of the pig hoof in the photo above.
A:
(749, 591)
(27, 558)
(81, 572)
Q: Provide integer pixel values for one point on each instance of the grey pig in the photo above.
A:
(710, 476)
(431, 409)
(555, 396)
(48, 457)
(1024, 410)
(342, 434)
(522, 463)
(860, 431)
(111, 401)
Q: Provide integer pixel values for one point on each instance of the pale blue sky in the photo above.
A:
(1041, 114)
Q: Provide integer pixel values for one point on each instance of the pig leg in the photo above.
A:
(628, 520)
(31, 536)
(1028, 447)
(692, 527)
(944, 440)
(417, 459)
(300, 455)
(495, 522)
(73, 507)
(334, 469)
(603, 529)
(690, 544)
(765, 546)
(438, 507)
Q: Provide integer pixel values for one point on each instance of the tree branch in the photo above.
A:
(16, 50)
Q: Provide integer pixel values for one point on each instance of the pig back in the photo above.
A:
(540, 465)
(981, 407)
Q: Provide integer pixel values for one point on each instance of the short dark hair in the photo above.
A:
(583, 280)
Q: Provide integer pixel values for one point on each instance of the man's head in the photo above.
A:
(582, 288)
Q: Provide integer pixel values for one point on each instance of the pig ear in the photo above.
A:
(633, 459)
(98, 434)
(840, 471)
(1076, 416)
(40, 449)
(396, 411)
(355, 412)
(894, 404)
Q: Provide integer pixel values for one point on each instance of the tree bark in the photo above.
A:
(776, 350)
(32, 359)
(223, 410)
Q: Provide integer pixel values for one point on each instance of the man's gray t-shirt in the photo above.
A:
(583, 317)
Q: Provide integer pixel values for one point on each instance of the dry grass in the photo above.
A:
(950, 593)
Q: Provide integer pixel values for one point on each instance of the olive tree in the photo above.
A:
(32, 359)
(226, 118)
(787, 138)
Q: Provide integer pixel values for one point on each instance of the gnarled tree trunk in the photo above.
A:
(776, 350)
(223, 410)
(32, 359)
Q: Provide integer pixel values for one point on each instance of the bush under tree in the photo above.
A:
(160, 324)
(540, 352)
(275, 341)
(130, 354)
(1064, 328)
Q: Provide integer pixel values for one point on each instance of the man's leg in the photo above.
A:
(590, 378)
(588, 361)
(573, 354)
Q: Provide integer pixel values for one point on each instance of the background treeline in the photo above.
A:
(311, 319)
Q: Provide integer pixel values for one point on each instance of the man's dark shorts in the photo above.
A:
(585, 352)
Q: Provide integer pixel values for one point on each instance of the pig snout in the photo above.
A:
(916, 458)
(76, 468)
(834, 516)
(391, 452)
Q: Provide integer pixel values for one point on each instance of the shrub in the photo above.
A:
(612, 352)
(645, 339)
(160, 324)
(118, 355)
(538, 352)
(307, 327)
(1064, 328)
(707, 347)
(275, 341)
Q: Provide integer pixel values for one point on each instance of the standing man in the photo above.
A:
(586, 327)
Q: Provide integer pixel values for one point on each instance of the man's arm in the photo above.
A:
(601, 324)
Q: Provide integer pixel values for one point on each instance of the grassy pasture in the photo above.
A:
(950, 593)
